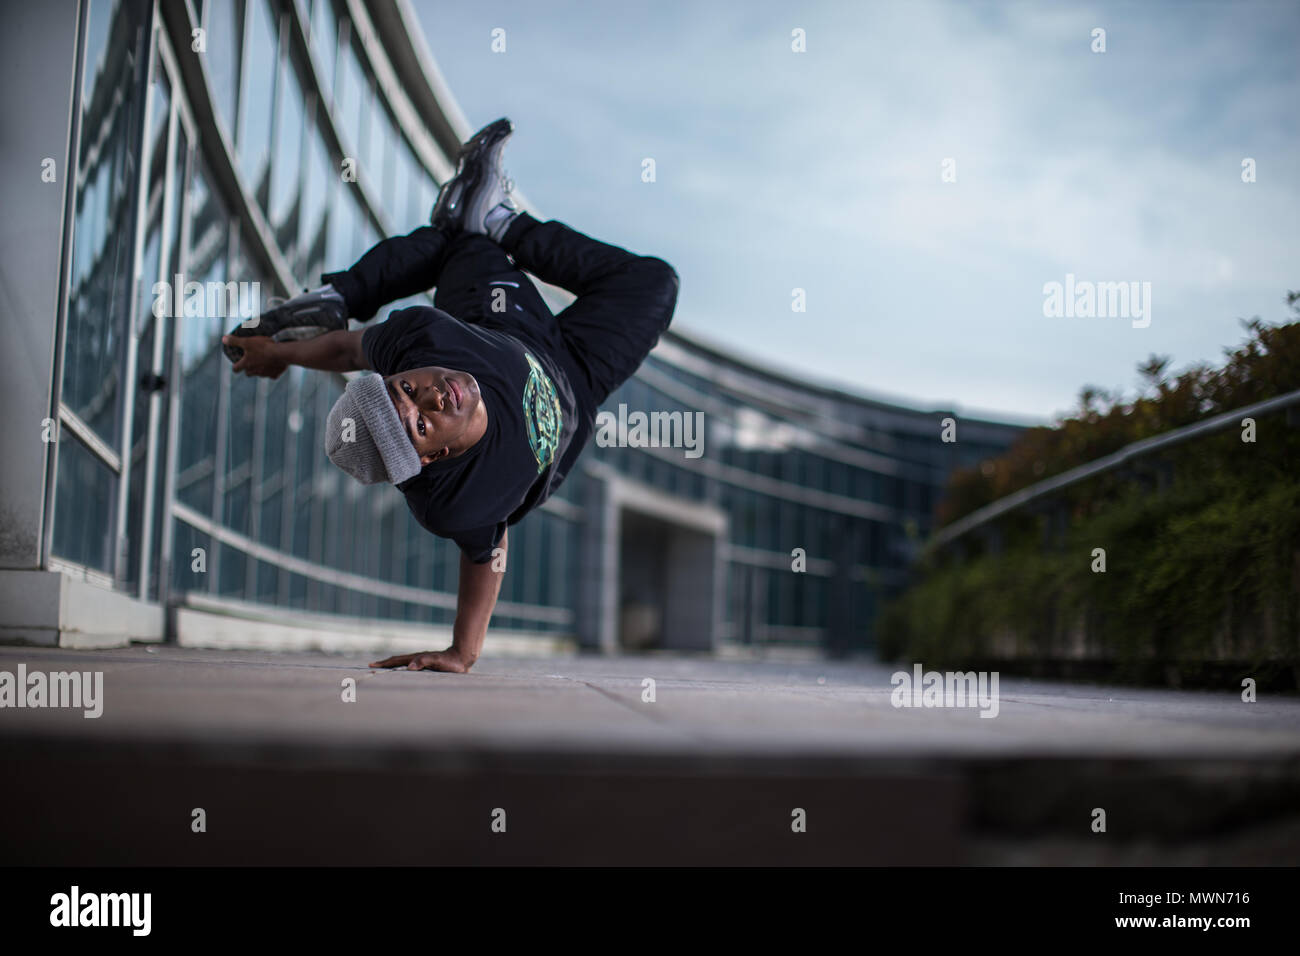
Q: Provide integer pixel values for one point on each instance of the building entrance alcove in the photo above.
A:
(650, 568)
(666, 584)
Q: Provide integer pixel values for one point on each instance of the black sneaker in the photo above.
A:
(302, 317)
(479, 183)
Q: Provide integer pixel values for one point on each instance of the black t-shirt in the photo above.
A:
(531, 416)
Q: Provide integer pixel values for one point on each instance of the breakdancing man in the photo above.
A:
(476, 408)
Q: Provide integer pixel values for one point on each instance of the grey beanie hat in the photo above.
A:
(375, 448)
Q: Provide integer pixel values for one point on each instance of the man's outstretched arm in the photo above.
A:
(339, 351)
(476, 597)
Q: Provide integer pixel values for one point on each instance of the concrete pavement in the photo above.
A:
(1184, 776)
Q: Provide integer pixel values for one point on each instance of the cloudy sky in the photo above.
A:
(821, 170)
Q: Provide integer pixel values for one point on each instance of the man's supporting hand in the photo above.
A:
(449, 661)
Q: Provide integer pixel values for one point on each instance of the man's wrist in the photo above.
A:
(465, 657)
(296, 352)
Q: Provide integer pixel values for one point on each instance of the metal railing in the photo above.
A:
(1106, 463)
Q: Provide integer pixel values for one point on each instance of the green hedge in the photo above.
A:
(1204, 571)
(1186, 583)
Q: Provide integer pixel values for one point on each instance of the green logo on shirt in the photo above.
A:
(542, 413)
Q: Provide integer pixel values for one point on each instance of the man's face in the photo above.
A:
(441, 410)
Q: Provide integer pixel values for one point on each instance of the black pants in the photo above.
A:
(624, 301)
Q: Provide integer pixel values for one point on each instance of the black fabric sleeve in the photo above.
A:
(384, 343)
(401, 341)
(478, 543)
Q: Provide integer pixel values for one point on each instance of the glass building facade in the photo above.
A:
(229, 150)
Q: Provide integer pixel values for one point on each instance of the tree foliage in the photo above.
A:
(1202, 539)
(1265, 365)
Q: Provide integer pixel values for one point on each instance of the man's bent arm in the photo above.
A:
(338, 351)
(476, 597)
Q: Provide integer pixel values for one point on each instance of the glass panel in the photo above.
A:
(365, 237)
(232, 566)
(209, 241)
(243, 394)
(272, 514)
(152, 257)
(318, 180)
(385, 166)
(374, 145)
(343, 225)
(152, 269)
(324, 44)
(237, 467)
(160, 109)
(204, 367)
(185, 576)
(429, 195)
(222, 20)
(197, 434)
(258, 76)
(406, 214)
(86, 491)
(351, 90)
(270, 475)
(302, 522)
(267, 584)
(287, 160)
(176, 192)
(103, 20)
(104, 229)
(166, 331)
(417, 193)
